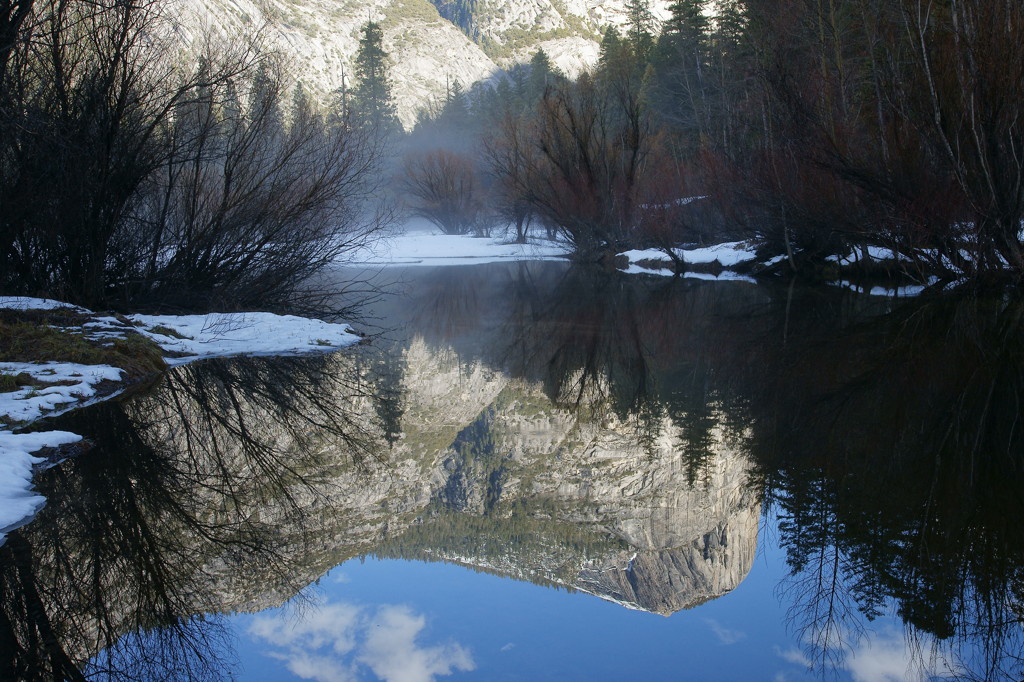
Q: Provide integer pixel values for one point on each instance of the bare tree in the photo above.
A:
(445, 190)
(580, 163)
(126, 181)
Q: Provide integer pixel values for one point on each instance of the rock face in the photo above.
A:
(426, 50)
(321, 37)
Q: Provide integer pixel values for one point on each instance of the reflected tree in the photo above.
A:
(224, 471)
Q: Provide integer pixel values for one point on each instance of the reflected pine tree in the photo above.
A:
(893, 455)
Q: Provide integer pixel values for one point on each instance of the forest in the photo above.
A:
(816, 127)
(136, 173)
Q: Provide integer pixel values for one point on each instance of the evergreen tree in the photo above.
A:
(542, 74)
(687, 23)
(642, 26)
(265, 100)
(680, 87)
(372, 101)
(616, 58)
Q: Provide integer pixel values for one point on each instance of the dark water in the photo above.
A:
(540, 472)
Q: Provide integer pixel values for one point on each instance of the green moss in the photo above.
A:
(34, 336)
(13, 382)
(167, 331)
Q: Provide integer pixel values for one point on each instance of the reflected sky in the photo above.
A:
(444, 621)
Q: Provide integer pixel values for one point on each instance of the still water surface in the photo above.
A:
(539, 472)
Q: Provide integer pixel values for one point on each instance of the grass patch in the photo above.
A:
(33, 340)
(12, 382)
(167, 331)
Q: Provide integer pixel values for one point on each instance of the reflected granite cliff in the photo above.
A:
(573, 494)
(571, 428)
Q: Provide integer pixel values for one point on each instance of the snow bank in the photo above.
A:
(18, 503)
(77, 383)
(29, 303)
(228, 334)
(727, 254)
(875, 254)
(431, 248)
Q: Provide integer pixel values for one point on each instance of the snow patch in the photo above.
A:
(431, 248)
(75, 383)
(230, 334)
(18, 502)
(29, 303)
(728, 254)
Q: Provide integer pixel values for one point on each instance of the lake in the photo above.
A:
(534, 471)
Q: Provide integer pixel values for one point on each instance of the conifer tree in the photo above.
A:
(642, 26)
(372, 99)
(542, 74)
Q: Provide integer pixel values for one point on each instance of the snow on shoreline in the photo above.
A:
(18, 501)
(423, 245)
(61, 386)
(229, 334)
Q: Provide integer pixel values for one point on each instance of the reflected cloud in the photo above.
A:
(392, 653)
(884, 656)
(795, 656)
(887, 657)
(336, 642)
(724, 635)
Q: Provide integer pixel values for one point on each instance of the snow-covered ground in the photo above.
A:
(423, 244)
(727, 255)
(225, 334)
(60, 386)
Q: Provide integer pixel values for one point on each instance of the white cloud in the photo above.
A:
(509, 647)
(794, 655)
(393, 655)
(886, 657)
(724, 635)
(329, 642)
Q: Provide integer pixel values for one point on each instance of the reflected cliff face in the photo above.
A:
(621, 438)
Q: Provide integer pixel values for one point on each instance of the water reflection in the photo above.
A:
(893, 452)
(197, 499)
(562, 426)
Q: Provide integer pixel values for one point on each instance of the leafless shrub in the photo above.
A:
(444, 189)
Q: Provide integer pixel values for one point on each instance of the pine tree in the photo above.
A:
(542, 74)
(642, 26)
(687, 22)
(372, 101)
(680, 89)
(455, 112)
